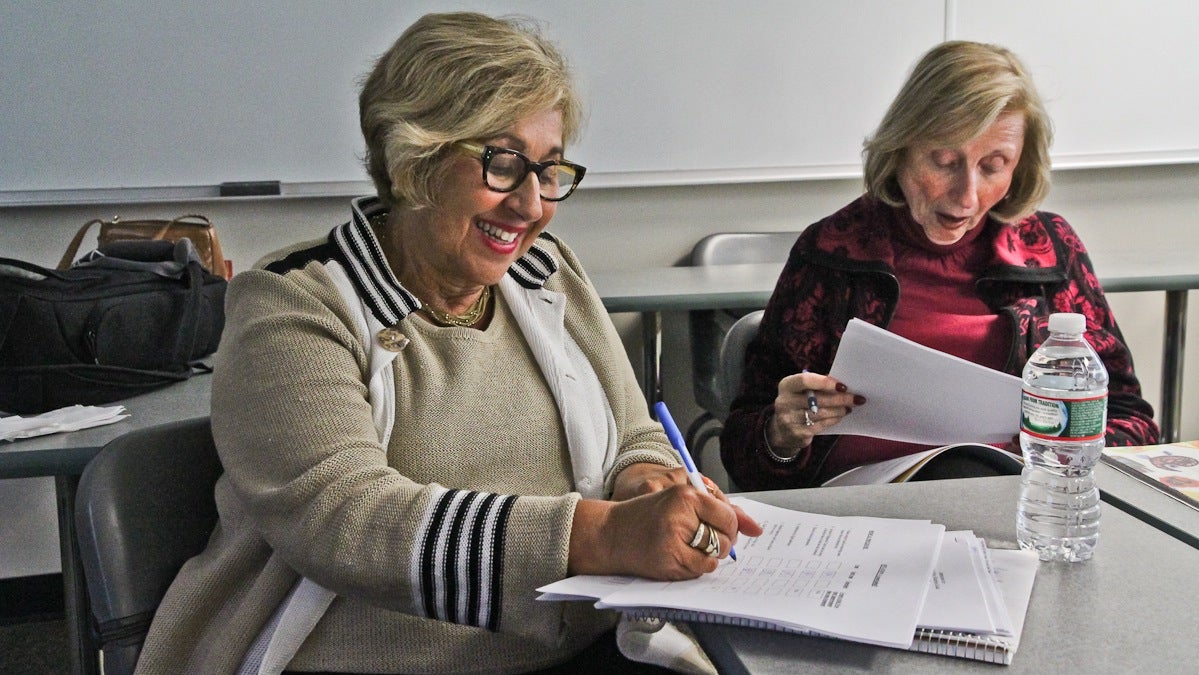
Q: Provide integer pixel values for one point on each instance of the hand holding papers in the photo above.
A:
(921, 395)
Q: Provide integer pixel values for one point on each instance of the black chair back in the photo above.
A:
(145, 505)
(707, 328)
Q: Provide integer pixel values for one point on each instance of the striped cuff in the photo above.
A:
(458, 561)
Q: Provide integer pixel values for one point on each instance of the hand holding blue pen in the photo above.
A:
(813, 408)
(693, 474)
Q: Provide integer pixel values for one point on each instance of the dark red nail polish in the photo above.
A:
(858, 399)
(842, 388)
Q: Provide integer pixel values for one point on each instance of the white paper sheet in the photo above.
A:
(921, 395)
(957, 597)
(70, 418)
(996, 604)
(859, 578)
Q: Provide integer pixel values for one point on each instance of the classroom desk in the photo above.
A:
(651, 291)
(1127, 610)
(1147, 503)
(64, 457)
(1175, 273)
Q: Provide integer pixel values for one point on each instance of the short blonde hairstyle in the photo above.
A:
(954, 94)
(453, 77)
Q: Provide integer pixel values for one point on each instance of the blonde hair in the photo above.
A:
(453, 77)
(954, 94)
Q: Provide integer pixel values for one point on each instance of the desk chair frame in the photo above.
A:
(708, 328)
(145, 505)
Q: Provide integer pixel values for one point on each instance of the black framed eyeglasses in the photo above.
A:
(504, 170)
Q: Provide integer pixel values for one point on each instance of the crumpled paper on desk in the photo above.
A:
(70, 418)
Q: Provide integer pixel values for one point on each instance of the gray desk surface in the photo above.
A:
(659, 289)
(1128, 610)
(750, 285)
(68, 453)
(1154, 506)
(1134, 270)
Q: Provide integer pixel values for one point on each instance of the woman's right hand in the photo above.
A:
(650, 536)
(794, 423)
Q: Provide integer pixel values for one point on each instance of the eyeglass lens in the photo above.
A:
(506, 169)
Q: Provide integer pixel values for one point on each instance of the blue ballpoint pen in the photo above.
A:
(812, 407)
(676, 439)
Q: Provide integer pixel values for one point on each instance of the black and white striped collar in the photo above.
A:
(388, 300)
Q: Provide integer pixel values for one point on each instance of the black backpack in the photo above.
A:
(127, 318)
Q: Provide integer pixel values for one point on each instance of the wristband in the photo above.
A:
(770, 451)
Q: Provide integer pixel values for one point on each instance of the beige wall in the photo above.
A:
(1114, 210)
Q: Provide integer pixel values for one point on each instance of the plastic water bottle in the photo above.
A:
(1063, 415)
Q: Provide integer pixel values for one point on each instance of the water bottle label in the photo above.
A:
(1078, 419)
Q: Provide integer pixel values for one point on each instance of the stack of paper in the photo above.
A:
(898, 583)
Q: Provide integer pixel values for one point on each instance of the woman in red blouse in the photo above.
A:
(946, 248)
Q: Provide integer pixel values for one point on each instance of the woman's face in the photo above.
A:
(950, 189)
(473, 235)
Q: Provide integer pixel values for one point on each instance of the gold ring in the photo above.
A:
(699, 534)
(807, 419)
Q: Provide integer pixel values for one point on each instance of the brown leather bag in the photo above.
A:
(195, 227)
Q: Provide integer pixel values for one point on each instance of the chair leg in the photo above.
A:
(693, 430)
(84, 652)
(702, 440)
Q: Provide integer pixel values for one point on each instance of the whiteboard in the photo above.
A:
(140, 100)
(1120, 79)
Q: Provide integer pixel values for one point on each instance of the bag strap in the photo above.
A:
(73, 247)
(36, 389)
(219, 265)
(77, 240)
(29, 267)
(166, 227)
(185, 338)
(197, 216)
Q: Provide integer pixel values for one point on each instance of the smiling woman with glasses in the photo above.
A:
(427, 415)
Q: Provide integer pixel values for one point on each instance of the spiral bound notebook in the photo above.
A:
(1016, 572)
(895, 583)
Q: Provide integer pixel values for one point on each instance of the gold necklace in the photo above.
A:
(465, 320)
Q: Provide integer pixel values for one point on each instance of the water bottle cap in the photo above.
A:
(1067, 323)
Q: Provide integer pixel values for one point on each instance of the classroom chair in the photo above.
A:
(732, 362)
(144, 506)
(707, 328)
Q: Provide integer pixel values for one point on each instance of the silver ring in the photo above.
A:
(807, 420)
(699, 534)
(713, 547)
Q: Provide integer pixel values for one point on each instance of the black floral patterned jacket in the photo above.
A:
(840, 268)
